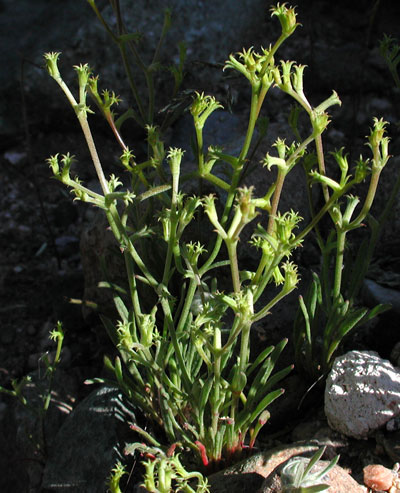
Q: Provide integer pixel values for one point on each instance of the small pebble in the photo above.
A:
(378, 477)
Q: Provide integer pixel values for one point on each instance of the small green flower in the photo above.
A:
(257, 68)
(115, 477)
(319, 122)
(287, 18)
(362, 169)
(379, 144)
(194, 250)
(284, 226)
(124, 331)
(113, 183)
(246, 204)
(84, 72)
(57, 333)
(128, 159)
(52, 64)
(291, 276)
(211, 211)
(174, 157)
(202, 107)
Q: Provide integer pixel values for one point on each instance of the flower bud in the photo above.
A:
(51, 63)
(287, 18)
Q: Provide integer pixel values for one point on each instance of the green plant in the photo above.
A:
(184, 330)
(301, 475)
(143, 112)
(328, 312)
(44, 387)
(390, 51)
(115, 477)
(165, 472)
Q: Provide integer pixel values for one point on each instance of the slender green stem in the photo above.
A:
(334, 197)
(186, 307)
(254, 109)
(165, 29)
(264, 311)
(266, 276)
(261, 266)
(275, 200)
(321, 164)
(281, 178)
(340, 244)
(123, 239)
(103, 22)
(217, 181)
(93, 153)
(274, 49)
(233, 335)
(235, 179)
(200, 155)
(368, 200)
(132, 284)
(174, 224)
(233, 261)
(178, 353)
(215, 402)
(245, 346)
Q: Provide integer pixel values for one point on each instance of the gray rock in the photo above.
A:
(361, 394)
(87, 446)
(374, 294)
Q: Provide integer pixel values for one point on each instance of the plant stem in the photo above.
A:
(215, 402)
(93, 152)
(368, 200)
(170, 324)
(340, 244)
(254, 110)
(233, 261)
(235, 179)
(321, 164)
(275, 200)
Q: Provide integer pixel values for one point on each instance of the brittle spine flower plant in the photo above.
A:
(184, 356)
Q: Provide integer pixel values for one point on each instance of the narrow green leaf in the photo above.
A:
(121, 308)
(265, 371)
(330, 466)
(260, 358)
(154, 191)
(350, 321)
(265, 403)
(118, 371)
(111, 285)
(314, 459)
(316, 488)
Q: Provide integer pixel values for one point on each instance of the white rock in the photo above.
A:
(362, 393)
